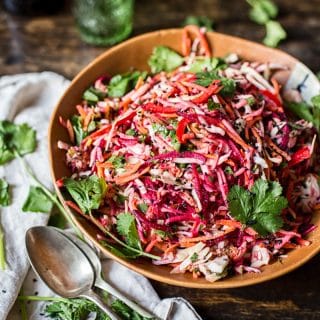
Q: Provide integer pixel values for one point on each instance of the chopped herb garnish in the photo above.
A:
(117, 161)
(88, 192)
(120, 84)
(194, 257)
(228, 170)
(307, 112)
(206, 78)
(164, 59)
(260, 208)
(126, 227)
(213, 105)
(143, 207)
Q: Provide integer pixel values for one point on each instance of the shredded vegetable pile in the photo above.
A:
(196, 165)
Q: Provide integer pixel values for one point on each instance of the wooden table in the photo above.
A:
(52, 43)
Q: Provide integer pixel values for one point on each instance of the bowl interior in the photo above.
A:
(133, 54)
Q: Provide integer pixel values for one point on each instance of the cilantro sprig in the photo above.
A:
(164, 59)
(205, 79)
(131, 248)
(306, 111)
(80, 308)
(259, 208)
(120, 84)
(86, 192)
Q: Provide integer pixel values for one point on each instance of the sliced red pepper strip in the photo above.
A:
(126, 118)
(272, 97)
(300, 155)
(212, 89)
(181, 128)
(158, 109)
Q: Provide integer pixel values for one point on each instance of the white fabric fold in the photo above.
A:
(31, 98)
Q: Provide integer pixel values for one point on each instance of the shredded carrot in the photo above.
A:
(125, 178)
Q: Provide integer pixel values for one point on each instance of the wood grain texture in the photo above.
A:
(52, 43)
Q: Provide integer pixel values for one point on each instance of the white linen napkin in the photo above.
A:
(30, 98)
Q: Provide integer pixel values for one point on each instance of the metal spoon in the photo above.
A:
(62, 266)
(100, 282)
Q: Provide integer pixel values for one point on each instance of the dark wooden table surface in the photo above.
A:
(52, 43)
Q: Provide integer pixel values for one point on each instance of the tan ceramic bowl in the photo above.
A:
(134, 53)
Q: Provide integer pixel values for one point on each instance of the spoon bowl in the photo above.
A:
(99, 281)
(58, 262)
(62, 266)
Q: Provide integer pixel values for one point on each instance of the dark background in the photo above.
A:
(31, 44)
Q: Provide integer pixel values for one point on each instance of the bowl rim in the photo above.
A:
(126, 262)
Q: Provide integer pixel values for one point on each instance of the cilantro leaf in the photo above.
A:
(305, 111)
(74, 309)
(316, 101)
(200, 21)
(240, 203)
(143, 207)
(164, 59)
(274, 34)
(121, 252)
(93, 95)
(4, 193)
(79, 132)
(262, 11)
(194, 257)
(261, 207)
(213, 105)
(205, 79)
(207, 64)
(15, 138)
(125, 312)
(117, 161)
(57, 220)
(37, 201)
(126, 227)
(87, 192)
(168, 134)
(121, 84)
(301, 109)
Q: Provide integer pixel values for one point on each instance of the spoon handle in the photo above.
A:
(92, 296)
(100, 283)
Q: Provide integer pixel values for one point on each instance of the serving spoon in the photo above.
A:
(62, 266)
(99, 281)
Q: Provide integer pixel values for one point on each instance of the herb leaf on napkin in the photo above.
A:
(15, 138)
(37, 201)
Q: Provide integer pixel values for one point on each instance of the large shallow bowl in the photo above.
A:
(134, 53)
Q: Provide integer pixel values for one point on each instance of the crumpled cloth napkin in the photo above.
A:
(30, 98)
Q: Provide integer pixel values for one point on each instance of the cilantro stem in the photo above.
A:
(142, 253)
(49, 194)
(56, 201)
(23, 308)
(2, 250)
(40, 298)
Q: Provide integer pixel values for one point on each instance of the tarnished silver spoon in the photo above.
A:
(63, 266)
(99, 281)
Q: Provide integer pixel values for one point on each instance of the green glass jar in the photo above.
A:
(103, 22)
